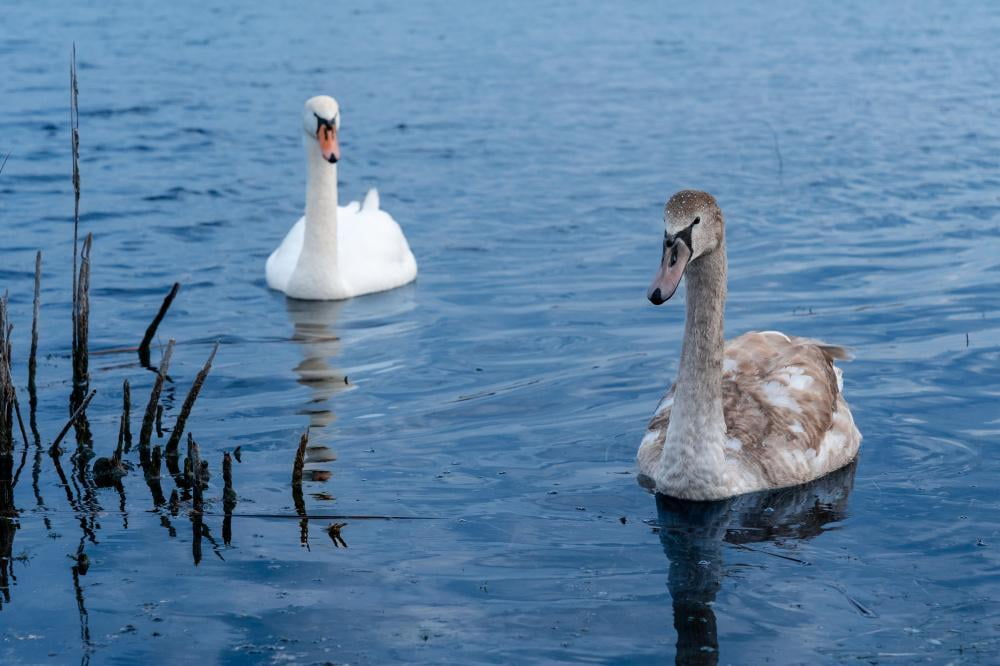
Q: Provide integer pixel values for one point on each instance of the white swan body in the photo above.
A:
(761, 412)
(336, 252)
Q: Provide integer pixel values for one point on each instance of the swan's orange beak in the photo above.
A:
(675, 260)
(328, 145)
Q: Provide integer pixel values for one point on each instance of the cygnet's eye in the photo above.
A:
(696, 221)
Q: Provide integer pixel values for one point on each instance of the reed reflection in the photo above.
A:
(693, 535)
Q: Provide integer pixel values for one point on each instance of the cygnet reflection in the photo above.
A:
(693, 533)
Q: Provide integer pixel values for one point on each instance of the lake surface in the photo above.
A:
(494, 407)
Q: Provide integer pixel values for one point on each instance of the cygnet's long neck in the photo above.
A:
(697, 430)
(699, 379)
(321, 208)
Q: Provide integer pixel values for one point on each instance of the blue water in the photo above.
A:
(527, 151)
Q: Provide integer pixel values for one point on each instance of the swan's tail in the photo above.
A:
(371, 201)
(835, 353)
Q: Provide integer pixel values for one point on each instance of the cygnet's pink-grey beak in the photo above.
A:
(676, 254)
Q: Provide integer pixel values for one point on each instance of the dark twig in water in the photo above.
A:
(7, 397)
(200, 530)
(193, 466)
(24, 436)
(154, 397)
(182, 417)
(159, 421)
(74, 129)
(54, 449)
(33, 355)
(229, 498)
(125, 433)
(300, 459)
(147, 339)
(17, 411)
(81, 317)
(9, 409)
(151, 470)
(81, 322)
(197, 525)
(36, 468)
(297, 497)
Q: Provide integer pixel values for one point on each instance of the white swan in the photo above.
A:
(764, 411)
(334, 252)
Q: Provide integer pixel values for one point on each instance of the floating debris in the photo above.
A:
(334, 531)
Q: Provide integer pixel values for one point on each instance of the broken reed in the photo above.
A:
(229, 498)
(147, 339)
(81, 319)
(193, 472)
(297, 497)
(175, 436)
(33, 355)
(300, 459)
(154, 397)
(74, 126)
(125, 428)
(7, 397)
(54, 449)
(81, 340)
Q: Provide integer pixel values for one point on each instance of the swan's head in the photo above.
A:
(693, 229)
(321, 122)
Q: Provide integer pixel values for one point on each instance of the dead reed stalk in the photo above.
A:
(175, 437)
(54, 449)
(300, 459)
(147, 339)
(125, 434)
(193, 469)
(154, 396)
(229, 498)
(33, 355)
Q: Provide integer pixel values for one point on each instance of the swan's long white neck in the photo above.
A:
(693, 447)
(321, 209)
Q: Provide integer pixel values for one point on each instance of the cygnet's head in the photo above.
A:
(693, 228)
(321, 122)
